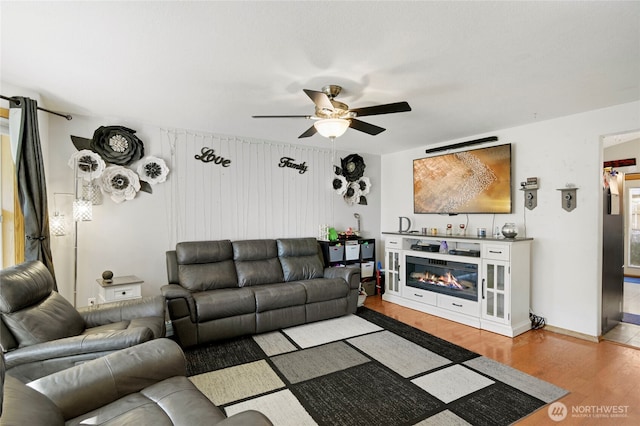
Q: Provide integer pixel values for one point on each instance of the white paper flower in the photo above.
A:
(352, 195)
(90, 165)
(120, 183)
(153, 170)
(365, 185)
(340, 184)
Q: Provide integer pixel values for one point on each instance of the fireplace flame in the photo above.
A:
(446, 280)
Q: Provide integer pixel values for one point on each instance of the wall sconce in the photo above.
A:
(332, 127)
(569, 200)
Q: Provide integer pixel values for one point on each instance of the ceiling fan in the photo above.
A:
(333, 118)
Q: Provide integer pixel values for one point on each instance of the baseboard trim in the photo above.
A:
(572, 333)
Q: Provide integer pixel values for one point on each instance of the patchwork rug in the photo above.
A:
(363, 369)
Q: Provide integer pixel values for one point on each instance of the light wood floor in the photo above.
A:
(597, 375)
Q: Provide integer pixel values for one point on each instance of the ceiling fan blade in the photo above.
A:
(321, 99)
(382, 109)
(310, 132)
(366, 127)
(308, 117)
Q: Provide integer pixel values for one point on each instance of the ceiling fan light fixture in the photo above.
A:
(332, 127)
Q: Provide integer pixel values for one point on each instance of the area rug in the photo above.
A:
(631, 318)
(363, 369)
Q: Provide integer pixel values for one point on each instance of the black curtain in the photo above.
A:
(32, 188)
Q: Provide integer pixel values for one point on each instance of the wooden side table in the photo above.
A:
(120, 288)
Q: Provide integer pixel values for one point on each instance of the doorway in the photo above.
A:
(627, 293)
(632, 225)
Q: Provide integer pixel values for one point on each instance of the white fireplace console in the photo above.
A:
(495, 299)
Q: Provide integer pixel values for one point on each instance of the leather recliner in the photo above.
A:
(141, 385)
(41, 332)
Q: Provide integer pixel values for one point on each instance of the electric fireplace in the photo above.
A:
(459, 279)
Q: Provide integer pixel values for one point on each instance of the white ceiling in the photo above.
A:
(465, 68)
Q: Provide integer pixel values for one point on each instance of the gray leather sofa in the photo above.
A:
(223, 289)
(142, 385)
(41, 332)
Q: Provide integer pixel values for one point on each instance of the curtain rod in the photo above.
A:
(67, 116)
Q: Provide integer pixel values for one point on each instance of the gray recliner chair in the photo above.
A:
(141, 385)
(41, 332)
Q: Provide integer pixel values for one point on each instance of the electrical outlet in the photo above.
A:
(91, 301)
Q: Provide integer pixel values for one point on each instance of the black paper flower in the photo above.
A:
(352, 167)
(340, 185)
(117, 145)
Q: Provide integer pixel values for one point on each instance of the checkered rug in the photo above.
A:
(363, 369)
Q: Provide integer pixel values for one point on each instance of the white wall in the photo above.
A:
(566, 252)
(132, 237)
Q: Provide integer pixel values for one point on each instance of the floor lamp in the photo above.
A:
(82, 211)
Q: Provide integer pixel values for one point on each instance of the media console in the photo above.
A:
(480, 282)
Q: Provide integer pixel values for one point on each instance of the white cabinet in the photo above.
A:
(503, 266)
(120, 288)
(506, 289)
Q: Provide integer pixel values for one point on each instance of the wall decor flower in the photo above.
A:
(90, 165)
(350, 181)
(340, 184)
(352, 167)
(117, 145)
(120, 183)
(153, 170)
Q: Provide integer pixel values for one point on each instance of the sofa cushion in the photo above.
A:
(281, 295)
(175, 398)
(203, 252)
(206, 265)
(223, 303)
(52, 319)
(24, 285)
(300, 259)
(256, 262)
(208, 276)
(321, 289)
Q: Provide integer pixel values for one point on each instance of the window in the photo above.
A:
(12, 229)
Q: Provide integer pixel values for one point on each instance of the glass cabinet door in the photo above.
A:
(393, 272)
(494, 295)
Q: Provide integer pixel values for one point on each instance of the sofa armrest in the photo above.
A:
(78, 345)
(175, 292)
(124, 310)
(350, 275)
(98, 382)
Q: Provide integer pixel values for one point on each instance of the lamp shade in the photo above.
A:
(331, 127)
(57, 225)
(82, 210)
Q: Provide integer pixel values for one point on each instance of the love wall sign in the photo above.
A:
(208, 155)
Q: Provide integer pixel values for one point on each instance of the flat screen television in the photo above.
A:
(471, 181)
